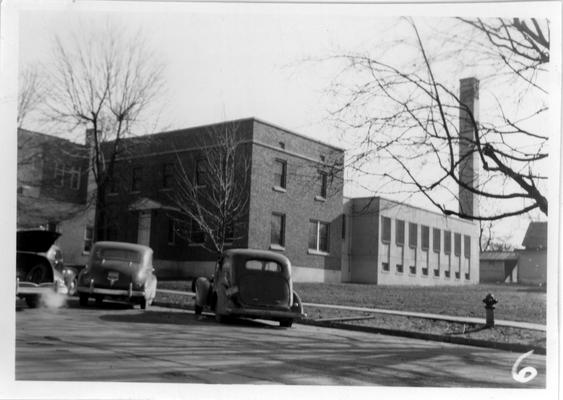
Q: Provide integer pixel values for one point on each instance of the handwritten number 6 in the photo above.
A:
(525, 374)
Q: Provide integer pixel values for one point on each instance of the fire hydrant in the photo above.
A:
(490, 302)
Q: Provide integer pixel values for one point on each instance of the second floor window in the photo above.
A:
(59, 175)
(74, 174)
(280, 173)
(200, 173)
(167, 175)
(136, 179)
(323, 177)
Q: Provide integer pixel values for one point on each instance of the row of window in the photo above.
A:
(167, 176)
(318, 239)
(195, 233)
(65, 175)
(413, 269)
(425, 237)
(280, 177)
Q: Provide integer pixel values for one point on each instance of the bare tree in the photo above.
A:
(406, 114)
(212, 195)
(31, 93)
(105, 81)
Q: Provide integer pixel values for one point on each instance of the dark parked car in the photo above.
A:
(38, 265)
(251, 284)
(120, 271)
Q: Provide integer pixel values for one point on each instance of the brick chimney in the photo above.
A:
(468, 166)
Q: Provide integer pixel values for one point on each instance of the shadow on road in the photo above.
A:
(180, 318)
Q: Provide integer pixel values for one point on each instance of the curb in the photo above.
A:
(513, 347)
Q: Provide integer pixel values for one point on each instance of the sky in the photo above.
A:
(228, 61)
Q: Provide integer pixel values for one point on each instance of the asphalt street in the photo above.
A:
(113, 342)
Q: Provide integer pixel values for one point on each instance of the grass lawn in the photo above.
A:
(515, 302)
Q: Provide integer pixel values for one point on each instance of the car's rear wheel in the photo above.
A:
(286, 323)
(32, 301)
(83, 299)
(99, 300)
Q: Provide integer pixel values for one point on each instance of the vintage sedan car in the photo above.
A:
(251, 284)
(120, 271)
(38, 266)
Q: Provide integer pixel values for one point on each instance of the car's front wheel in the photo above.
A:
(286, 323)
(143, 303)
(83, 299)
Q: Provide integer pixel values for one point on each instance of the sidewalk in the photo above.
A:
(450, 318)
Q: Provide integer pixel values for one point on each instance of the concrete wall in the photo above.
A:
(72, 236)
(532, 266)
(364, 234)
(369, 252)
(491, 271)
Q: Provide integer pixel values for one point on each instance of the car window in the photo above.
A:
(119, 255)
(261, 265)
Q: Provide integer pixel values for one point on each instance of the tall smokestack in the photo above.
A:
(469, 112)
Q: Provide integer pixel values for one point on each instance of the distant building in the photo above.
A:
(52, 191)
(397, 244)
(498, 267)
(532, 260)
(390, 243)
(294, 206)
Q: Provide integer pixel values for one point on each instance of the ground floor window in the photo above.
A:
(88, 237)
(197, 235)
(318, 236)
(171, 231)
(277, 230)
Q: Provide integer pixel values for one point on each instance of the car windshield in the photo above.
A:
(263, 265)
(119, 255)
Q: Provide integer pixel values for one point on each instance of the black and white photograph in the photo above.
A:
(271, 199)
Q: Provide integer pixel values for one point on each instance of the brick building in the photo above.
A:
(294, 203)
(52, 191)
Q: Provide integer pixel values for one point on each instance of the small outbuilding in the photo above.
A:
(498, 267)
(532, 260)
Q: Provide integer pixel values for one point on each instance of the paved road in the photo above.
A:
(113, 342)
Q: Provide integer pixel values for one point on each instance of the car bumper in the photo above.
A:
(111, 292)
(265, 314)
(30, 288)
